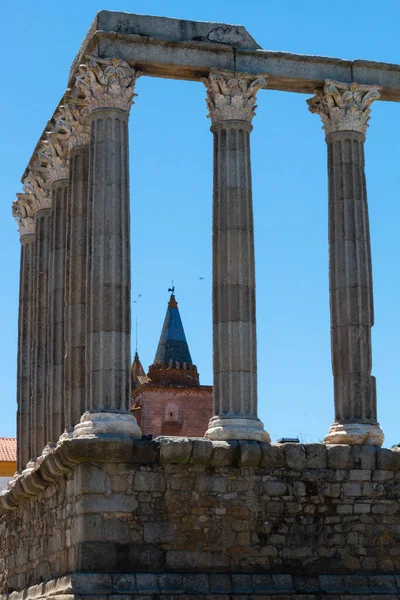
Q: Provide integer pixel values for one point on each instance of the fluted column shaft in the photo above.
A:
(75, 292)
(351, 296)
(234, 304)
(108, 317)
(108, 86)
(344, 109)
(25, 341)
(40, 351)
(57, 253)
(234, 310)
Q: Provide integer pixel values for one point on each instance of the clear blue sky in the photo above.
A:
(171, 177)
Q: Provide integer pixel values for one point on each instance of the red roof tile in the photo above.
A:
(8, 449)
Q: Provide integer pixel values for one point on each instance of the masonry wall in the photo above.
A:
(174, 411)
(214, 509)
(35, 539)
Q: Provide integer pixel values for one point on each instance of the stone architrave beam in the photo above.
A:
(188, 50)
(345, 111)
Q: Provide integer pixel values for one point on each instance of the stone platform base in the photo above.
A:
(151, 586)
(123, 519)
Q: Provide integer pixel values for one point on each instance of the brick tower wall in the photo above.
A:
(174, 411)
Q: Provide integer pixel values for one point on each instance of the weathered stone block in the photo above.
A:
(272, 455)
(262, 583)
(225, 453)
(306, 584)
(195, 583)
(146, 583)
(241, 583)
(364, 457)
(275, 488)
(282, 583)
(362, 509)
(339, 457)
(388, 459)
(212, 483)
(145, 452)
(356, 584)
(317, 456)
(220, 584)
(90, 479)
(178, 560)
(331, 490)
(160, 533)
(202, 452)
(175, 450)
(295, 456)
(146, 481)
(81, 583)
(249, 453)
(124, 584)
(382, 584)
(332, 584)
(170, 583)
(360, 475)
(93, 528)
(352, 489)
(381, 475)
(94, 503)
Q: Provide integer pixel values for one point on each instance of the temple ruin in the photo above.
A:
(96, 511)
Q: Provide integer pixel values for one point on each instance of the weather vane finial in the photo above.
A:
(172, 288)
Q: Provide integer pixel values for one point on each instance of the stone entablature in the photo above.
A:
(178, 506)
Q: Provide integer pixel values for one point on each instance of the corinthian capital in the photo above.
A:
(37, 189)
(73, 119)
(107, 83)
(24, 214)
(54, 155)
(232, 96)
(344, 106)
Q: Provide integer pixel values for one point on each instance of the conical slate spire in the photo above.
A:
(173, 345)
(173, 364)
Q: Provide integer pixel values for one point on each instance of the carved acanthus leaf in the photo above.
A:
(24, 214)
(37, 188)
(107, 83)
(344, 106)
(74, 119)
(54, 155)
(232, 96)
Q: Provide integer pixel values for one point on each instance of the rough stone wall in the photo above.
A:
(35, 539)
(194, 408)
(200, 507)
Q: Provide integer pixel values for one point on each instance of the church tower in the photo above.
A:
(169, 400)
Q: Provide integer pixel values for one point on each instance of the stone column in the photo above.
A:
(54, 154)
(35, 185)
(231, 101)
(77, 121)
(108, 86)
(23, 212)
(344, 109)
